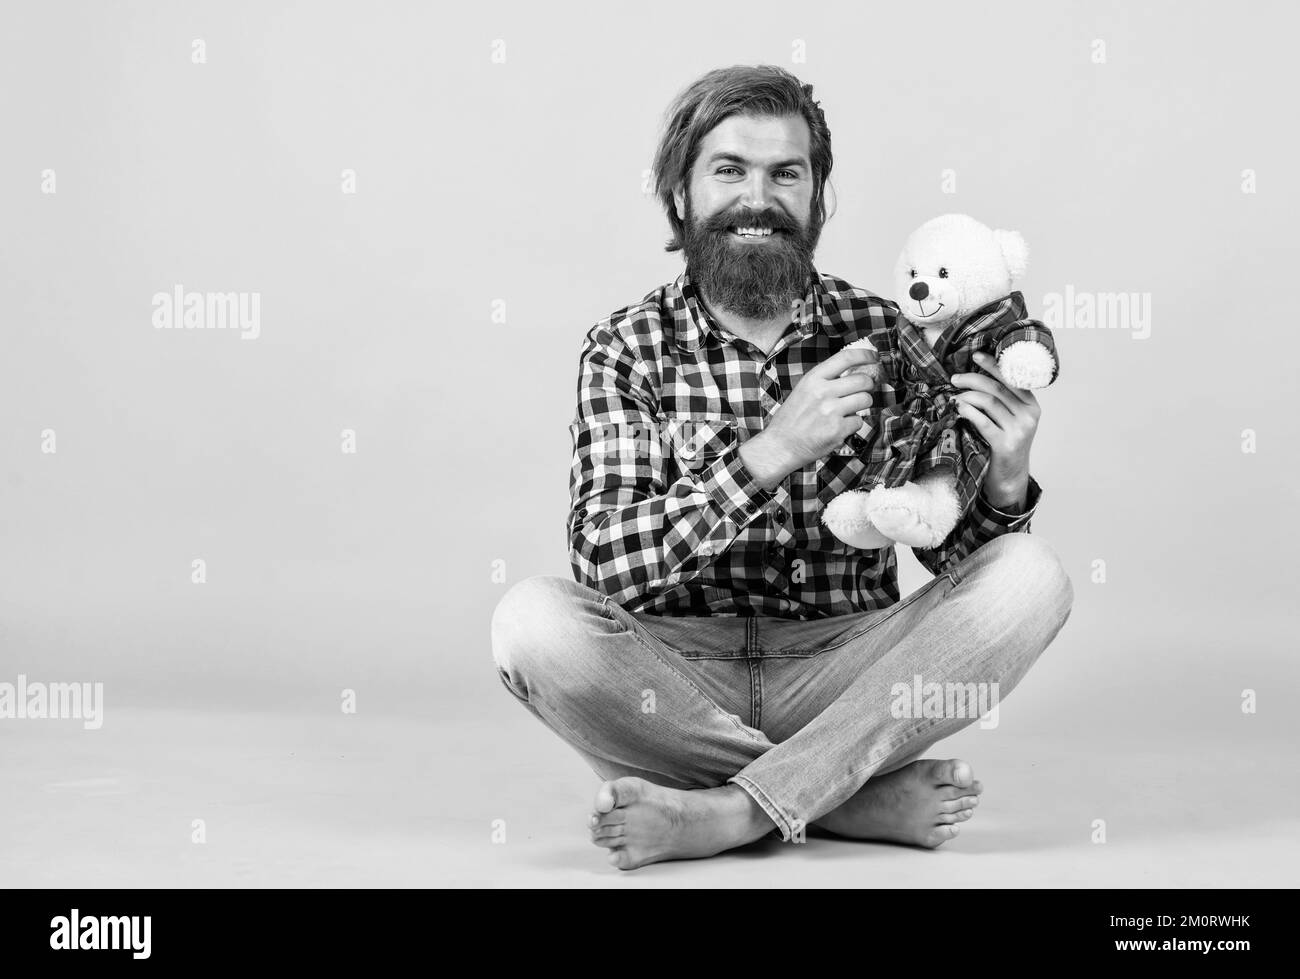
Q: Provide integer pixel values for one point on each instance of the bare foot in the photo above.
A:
(920, 804)
(640, 822)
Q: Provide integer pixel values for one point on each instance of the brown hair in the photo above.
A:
(753, 90)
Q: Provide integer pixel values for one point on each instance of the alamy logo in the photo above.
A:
(181, 310)
(1099, 311)
(102, 932)
(945, 700)
(53, 701)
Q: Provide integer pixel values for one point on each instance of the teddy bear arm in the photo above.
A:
(1026, 355)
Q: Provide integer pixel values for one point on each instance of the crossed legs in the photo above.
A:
(842, 757)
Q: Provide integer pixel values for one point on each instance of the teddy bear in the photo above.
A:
(954, 282)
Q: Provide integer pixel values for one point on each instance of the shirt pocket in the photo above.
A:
(696, 441)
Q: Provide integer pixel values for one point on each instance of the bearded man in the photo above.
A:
(725, 665)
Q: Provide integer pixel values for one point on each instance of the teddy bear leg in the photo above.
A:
(918, 514)
(846, 518)
(1026, 364)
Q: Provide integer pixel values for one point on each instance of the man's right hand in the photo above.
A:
(822, 411)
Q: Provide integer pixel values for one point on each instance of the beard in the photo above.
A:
(756, 280)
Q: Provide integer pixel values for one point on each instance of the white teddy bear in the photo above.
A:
(954, 287)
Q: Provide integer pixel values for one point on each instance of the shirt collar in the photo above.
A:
(692, 323)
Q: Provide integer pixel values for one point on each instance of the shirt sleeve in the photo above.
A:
(633, 534)
(981, 524)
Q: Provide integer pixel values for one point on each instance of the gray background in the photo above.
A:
(522, 182)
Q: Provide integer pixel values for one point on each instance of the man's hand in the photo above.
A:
(1007, 417)
(821, 412)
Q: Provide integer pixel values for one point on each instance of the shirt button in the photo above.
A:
(780, 514)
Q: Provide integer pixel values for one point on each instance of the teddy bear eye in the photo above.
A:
(943, 273)
(912, 273)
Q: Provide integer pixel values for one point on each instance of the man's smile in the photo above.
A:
(752, 234)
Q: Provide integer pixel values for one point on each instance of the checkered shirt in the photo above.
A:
(665, 519)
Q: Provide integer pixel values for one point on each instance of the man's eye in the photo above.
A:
(789, 173)
(725, 169)
(943, 273)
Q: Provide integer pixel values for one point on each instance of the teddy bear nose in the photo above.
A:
(919, 290)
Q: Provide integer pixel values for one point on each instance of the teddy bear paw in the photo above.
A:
(846, 518)
(902, 514)
(1026, 364)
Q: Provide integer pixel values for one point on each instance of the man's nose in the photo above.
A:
(919, 290)
(756, 191)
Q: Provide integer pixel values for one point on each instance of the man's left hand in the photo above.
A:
(1007, 417)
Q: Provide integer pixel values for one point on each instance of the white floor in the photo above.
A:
(351, 801)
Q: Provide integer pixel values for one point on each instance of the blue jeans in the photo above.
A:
(800, 714)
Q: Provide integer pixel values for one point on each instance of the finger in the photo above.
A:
(983, 424)
(989, 363)
(855, 403)
(846, 427)
(991, 388)
(846, 358)
(851, 384)
(996, 409)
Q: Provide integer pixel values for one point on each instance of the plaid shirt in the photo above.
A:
(924, 432)
(666, 519)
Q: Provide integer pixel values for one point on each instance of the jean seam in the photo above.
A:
(729, 718)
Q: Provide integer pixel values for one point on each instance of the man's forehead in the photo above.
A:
(757, 139)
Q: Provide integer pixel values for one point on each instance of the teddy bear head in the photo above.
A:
(952, 265)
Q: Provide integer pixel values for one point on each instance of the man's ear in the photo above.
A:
(679, 201)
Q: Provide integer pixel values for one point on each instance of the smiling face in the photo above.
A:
(950, 267)
(748, 209)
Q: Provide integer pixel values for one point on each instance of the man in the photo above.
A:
(726, 665)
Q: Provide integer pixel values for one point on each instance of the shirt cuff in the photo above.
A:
(1017, 520)
(732, 487)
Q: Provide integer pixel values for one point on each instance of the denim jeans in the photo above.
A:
(800, 714)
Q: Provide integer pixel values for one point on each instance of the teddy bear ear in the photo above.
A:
(1014, 250)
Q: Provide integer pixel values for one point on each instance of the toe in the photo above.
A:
(954, 771)
(608, 833)
(941, 834)
(627, 791)
(619, 792)
(948, 818)
(958, 804)
(616, 818)
(621, 859)
(605, 800)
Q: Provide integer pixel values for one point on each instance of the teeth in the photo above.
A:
(754, 232)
